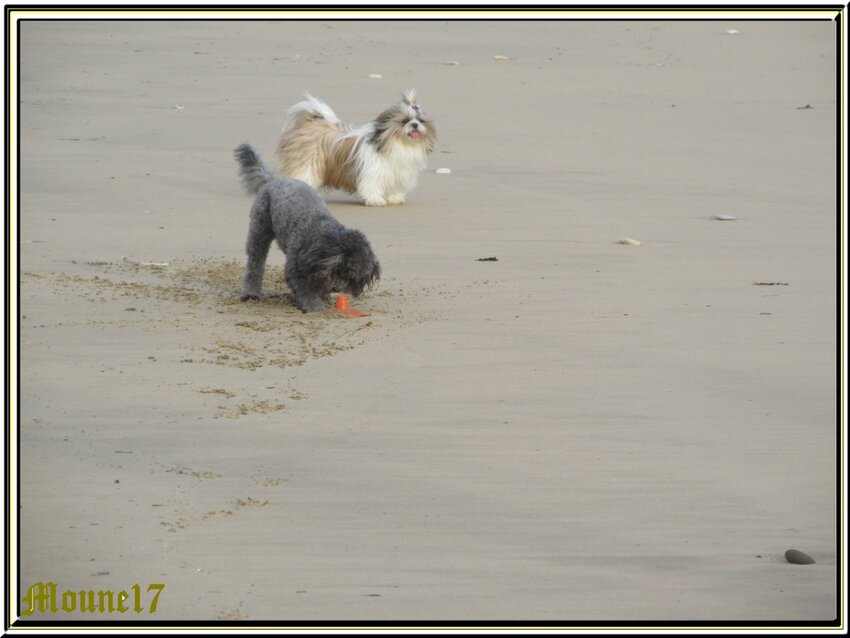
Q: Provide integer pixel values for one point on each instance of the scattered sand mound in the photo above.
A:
(201, 296)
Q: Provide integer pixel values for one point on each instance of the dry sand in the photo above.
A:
(580, 430)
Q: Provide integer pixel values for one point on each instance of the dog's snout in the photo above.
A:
(414, 125)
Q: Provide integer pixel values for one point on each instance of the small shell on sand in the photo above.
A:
(732, 31)
(798, 558)
(629, 242)
(501, 57)
(451, 63)
(443, 171)
(375, 76)
(154, 264)
(725, 218)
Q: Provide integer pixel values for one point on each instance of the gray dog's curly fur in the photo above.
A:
(322, 255)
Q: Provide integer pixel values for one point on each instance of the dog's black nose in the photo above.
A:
(414, 125)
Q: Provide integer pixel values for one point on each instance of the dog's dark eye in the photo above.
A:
(406, 120)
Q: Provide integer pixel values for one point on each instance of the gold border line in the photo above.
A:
(12, 292)
(377, 14)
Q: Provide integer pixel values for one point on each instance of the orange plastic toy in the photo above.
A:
(342, 307)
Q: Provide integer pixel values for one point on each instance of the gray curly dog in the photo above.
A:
(322, 255)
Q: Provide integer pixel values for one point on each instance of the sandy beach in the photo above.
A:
(578, 430)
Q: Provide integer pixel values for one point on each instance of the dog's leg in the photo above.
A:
(371, 195)
(310, 303)
(260, 236)
(370, 187)
(306, 298)
(403, 185)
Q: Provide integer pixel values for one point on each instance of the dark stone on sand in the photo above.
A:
(798, 558)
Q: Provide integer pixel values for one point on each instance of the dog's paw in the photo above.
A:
(395, 199)
(312, 307)
(375, 201)
(249, 298)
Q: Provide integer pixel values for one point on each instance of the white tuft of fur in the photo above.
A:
(309, 105)
(410, 96)
(360, 133)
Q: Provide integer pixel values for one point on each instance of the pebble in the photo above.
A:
(501, 57)
(732, 31)
(798, 558)
(452, 63)
(629, 242)
(443, 171)
(725, 218)
(375, 76)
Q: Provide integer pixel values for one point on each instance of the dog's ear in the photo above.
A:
(360, 268)
(375, 275)
(367, 279)
(364, 282)
(323, 254)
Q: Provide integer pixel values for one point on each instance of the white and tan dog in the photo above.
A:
(379, 161)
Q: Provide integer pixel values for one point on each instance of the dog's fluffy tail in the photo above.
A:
(252, 170)
(306, 108)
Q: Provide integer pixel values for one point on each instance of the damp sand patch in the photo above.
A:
(243, 409)
(201, 297)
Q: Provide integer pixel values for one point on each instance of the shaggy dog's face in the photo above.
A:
(404, 123)
(344, 262)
